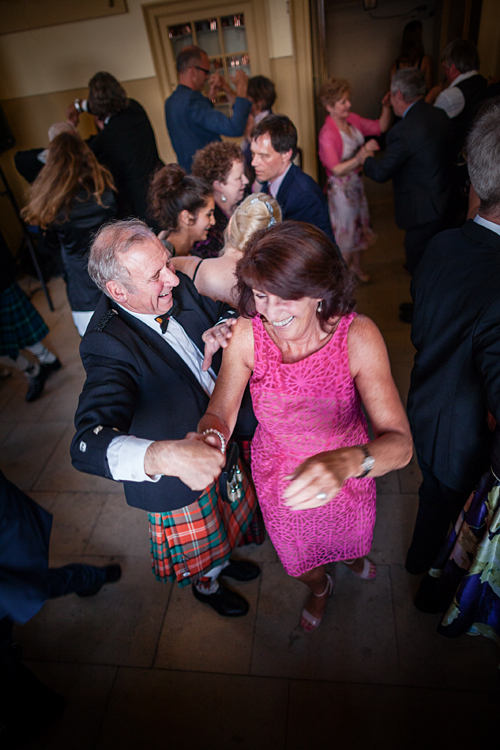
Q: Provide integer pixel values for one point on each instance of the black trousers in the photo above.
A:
(439, 507)
(416, 240)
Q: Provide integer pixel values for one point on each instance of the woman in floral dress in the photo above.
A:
(341, 144)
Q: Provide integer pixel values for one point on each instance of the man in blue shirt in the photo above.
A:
(192, 120)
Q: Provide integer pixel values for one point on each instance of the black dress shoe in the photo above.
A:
(112, 573)
(53, 366)
(241, 570)
(36, 384)
(225, 602)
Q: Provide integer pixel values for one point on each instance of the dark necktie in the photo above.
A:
(163, 319)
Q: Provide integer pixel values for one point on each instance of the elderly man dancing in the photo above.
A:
(147, 386)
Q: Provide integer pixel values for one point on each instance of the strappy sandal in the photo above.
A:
(369, 569)
(315, 622)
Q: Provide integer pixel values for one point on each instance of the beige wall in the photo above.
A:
(44, 70)
(489, 39)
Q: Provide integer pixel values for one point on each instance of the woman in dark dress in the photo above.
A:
(73, 195)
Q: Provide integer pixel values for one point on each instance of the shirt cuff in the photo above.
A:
(125, 457)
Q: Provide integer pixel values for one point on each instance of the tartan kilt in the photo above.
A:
(188, 542)
(20, 324)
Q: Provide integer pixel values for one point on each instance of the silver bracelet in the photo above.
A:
(212, 431)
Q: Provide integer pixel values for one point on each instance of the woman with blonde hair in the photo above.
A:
(214, 277)
(73, 196)
(341, 148)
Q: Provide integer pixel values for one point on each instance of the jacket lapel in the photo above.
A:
(158, 345)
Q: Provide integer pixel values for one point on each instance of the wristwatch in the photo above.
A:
(368, 462)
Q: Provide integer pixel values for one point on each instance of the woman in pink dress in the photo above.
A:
(311, 362)
(341, 146)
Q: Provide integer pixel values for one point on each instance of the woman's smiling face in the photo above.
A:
(290, 318)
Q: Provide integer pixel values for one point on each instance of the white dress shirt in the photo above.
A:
(451, 99)
(126, 453)
(488, 224)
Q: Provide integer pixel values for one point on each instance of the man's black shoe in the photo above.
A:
(36, 384)
(225, 602)
(53, 366)
(241, 570)
(112, 573)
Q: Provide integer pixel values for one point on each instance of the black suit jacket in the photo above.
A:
(137, 384)
(418, 158)
(302, 199)
(127, 147)
(456, 331)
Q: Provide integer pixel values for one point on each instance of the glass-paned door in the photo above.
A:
(224, 39)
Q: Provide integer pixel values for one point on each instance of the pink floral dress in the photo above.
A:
(348, 207)
(305, 408)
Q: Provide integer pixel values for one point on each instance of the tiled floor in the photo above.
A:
(145, 665)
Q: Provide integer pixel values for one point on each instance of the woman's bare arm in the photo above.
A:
(216, 279)
(236, 369)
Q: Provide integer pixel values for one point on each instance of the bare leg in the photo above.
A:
(356, 266)
(357, 566)
(318, 583)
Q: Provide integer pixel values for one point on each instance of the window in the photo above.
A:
(224, 39)
(226, 31)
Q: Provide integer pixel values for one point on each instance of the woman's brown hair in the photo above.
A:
(294, 260)
(215, 161)
(172, 191)
(71, 168)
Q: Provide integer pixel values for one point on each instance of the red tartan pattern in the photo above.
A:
(187, 543)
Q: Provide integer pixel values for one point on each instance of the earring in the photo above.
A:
(223, 198)
(320, 306)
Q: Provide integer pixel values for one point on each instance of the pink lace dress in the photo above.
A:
(305, 408)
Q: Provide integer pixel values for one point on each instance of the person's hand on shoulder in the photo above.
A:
(216, 338)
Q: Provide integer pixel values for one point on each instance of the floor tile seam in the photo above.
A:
(254, 629)
(56, 446)
(394, 620)
(288, 679)
(103, 716)
(101, 511)
(160, 630)
(287, 713)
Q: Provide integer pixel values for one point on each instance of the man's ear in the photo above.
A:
(117, 291)
(287, 155)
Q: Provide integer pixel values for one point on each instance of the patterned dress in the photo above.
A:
(347, 202)
(303, 409)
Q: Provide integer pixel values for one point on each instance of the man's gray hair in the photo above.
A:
(411, 83)
(483, 158)
(112, 241)
(462, 53)
(187, 57)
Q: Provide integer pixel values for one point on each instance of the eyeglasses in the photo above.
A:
(203, 70)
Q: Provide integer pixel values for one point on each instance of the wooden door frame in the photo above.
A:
(163, 58)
